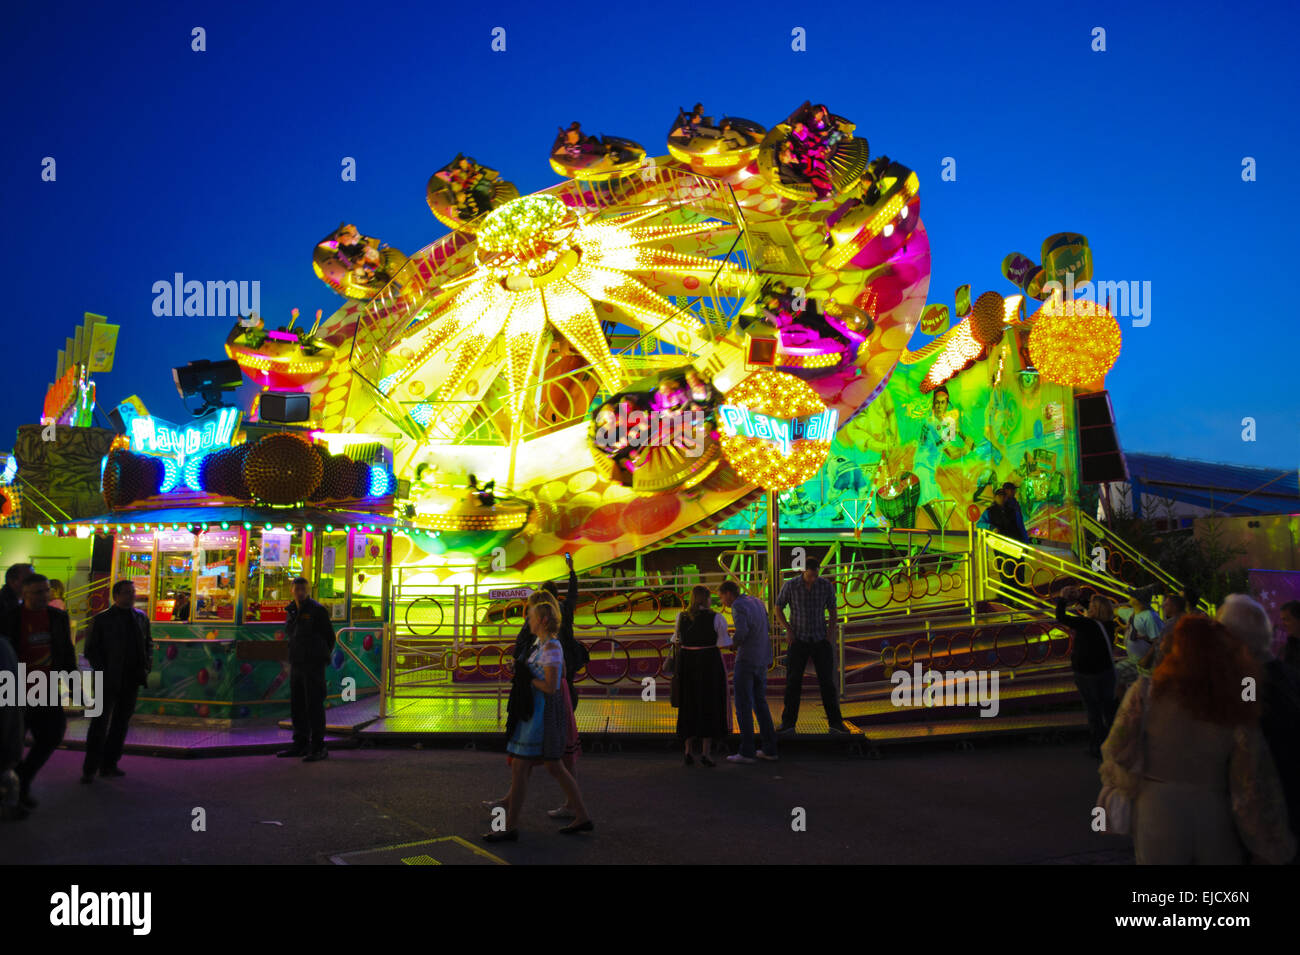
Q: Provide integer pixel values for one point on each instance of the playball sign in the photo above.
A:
(776, 430)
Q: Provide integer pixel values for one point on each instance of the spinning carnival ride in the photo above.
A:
(650, 349)
(631, 356)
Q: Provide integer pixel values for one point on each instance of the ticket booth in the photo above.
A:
(215, 583)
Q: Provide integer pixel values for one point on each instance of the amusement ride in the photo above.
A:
(660, 363)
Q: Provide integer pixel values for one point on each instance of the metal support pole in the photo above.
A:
(474, 598)
(388, 611)
(773, 550)
(386, 658)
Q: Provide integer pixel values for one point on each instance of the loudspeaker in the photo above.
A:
(101, 555)
(762, 351)
(1100, 458)
(1094, 410)
(1097, 441)
(285, 406)
(1103, 469)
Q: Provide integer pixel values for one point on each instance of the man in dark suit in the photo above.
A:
(11, 742)
(11, 594)
(42, 640)
(121, 647)
(311, 641)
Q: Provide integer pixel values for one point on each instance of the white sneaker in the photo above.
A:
(762, 755)
(737, 758)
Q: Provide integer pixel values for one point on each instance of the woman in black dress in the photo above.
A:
(702, 712)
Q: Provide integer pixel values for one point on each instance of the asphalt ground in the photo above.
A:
(1000, 802)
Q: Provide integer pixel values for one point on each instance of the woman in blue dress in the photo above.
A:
(542, 737)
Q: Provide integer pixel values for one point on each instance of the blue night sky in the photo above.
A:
(226, 164)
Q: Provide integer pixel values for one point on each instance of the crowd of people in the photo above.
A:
(541, 728)
(678, 412)
(360, 256)
(540, 724)
(733, 134)
(1196, 720)
(36, 632)
(1196, 723)
(699, 686)
(1004, 515)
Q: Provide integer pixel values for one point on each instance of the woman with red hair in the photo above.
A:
(1187, 749)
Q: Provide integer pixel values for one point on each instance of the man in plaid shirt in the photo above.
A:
(811, 599)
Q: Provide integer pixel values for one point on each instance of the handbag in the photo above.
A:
(1115, 802)
(670, 666)
(1119, 810)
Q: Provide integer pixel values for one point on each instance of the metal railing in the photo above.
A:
(1028, 577)
(85, 594)
(1095, 542)
(454, 633)
(378, 681)
(914, 605)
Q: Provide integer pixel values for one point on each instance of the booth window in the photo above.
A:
(367, 576)
(135, 563)
(174, 600)
(214, 584)
(332, 584)
(274, 560)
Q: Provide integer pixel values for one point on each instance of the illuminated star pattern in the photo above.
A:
(546, 272)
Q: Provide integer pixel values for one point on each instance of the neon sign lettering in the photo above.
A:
(783, 432)
(150, 435)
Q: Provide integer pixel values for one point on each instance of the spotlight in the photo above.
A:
(209, 380)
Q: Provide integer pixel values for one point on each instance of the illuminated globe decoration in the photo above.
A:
(776, 430)
(1073, 343)
(526, 236)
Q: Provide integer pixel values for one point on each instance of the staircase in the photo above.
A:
(988, 606)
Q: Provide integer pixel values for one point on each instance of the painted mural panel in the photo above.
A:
(932, 458)
(220, 674)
